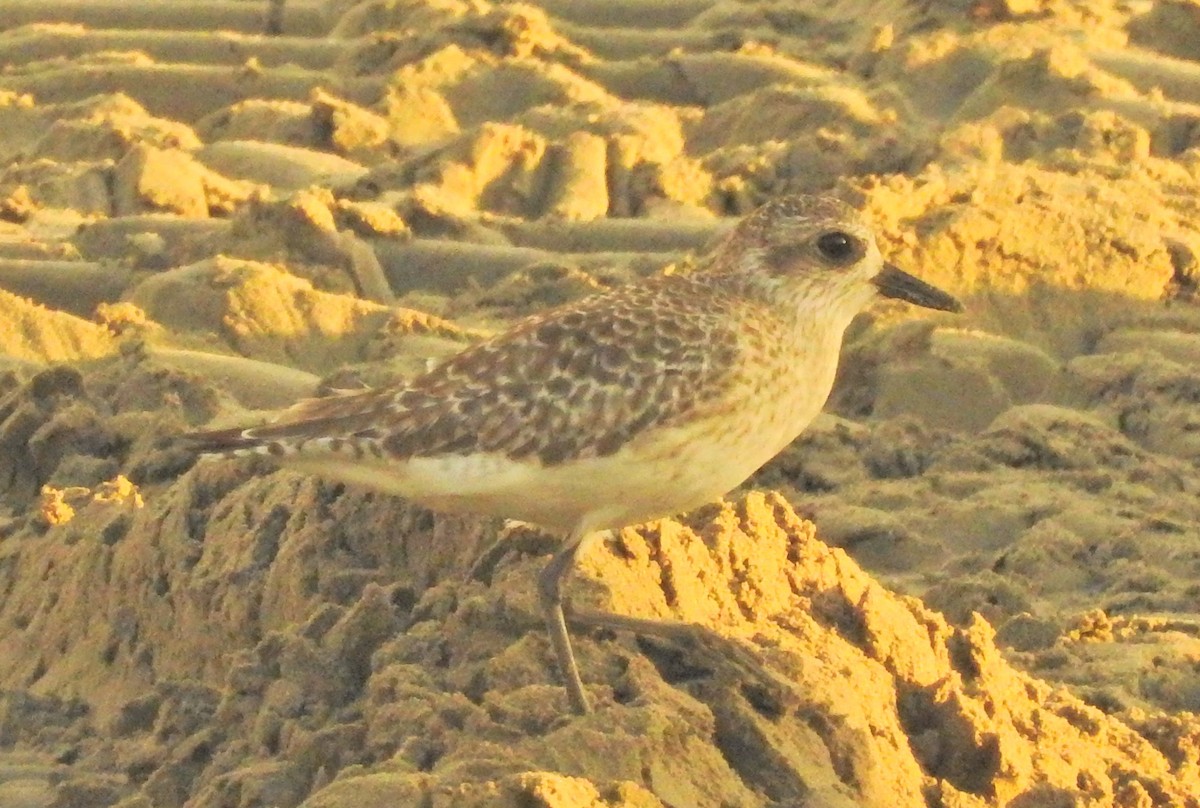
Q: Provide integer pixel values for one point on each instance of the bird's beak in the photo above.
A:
(896, 283)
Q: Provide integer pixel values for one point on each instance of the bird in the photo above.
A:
(633, 404)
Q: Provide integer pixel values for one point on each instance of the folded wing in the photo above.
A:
(580, 381)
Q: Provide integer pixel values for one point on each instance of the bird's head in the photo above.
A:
(817, 250)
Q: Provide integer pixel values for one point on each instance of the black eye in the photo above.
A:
(838, 247)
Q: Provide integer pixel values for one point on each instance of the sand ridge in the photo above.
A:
(208, 210)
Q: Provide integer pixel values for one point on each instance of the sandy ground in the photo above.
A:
(208, 209)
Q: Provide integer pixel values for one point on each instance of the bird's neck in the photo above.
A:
(805, 316)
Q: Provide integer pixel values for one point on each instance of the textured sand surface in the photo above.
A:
(975, 581)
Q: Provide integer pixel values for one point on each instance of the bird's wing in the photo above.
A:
(579, 381)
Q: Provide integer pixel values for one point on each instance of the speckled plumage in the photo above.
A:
(625, 406)
(577, 382)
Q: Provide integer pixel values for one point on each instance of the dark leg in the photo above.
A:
(550, 596)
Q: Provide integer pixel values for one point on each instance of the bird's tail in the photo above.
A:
(233, 442)
(309, 424)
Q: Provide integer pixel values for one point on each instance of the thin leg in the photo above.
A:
(550, 596)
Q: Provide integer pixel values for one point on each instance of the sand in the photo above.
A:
(972, 582)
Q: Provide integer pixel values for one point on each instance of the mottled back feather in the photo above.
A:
(579, 381)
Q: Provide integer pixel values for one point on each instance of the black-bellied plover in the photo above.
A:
(638, 403)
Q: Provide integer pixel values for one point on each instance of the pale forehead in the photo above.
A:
(791, 216)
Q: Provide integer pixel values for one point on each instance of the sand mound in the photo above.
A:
(34, 334)
(261, 311)
(276, 658)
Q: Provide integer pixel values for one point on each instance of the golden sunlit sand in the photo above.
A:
(210, 209)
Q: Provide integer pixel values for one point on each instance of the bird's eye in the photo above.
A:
(838, 247)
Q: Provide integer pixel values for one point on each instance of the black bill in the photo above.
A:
(896, 283)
